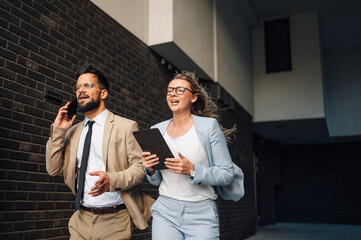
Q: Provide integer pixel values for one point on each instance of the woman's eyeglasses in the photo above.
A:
(178, 90)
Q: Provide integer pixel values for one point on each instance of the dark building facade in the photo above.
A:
(320, 184)
(314, 183)
(42, 43)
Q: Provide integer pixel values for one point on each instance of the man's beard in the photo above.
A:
(91, 105)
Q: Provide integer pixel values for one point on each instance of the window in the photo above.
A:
(277, 45)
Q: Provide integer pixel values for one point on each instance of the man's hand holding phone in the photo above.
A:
(62, 120)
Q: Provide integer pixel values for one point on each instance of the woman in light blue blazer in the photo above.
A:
(186, 207)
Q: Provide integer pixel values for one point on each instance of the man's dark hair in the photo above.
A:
(88, 68)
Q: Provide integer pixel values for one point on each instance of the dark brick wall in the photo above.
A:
(238, 219)
(320, 183)
(42, 44)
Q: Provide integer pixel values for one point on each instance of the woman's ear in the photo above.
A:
(194, 98)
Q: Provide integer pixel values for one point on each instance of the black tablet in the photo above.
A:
(151, 140)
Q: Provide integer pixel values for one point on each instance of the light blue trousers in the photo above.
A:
(175, 219)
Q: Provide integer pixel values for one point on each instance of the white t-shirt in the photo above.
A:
(178, 186)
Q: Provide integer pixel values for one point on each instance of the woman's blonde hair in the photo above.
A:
(204, 106)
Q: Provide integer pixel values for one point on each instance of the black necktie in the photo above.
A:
(84, 161)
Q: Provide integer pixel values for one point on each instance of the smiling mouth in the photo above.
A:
(174, 101)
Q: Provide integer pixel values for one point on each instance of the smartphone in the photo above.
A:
(72, 109)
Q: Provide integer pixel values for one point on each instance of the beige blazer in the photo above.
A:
(122, 156)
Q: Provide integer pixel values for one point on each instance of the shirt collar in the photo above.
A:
(99, 119)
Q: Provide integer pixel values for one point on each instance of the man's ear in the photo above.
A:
(104, 94)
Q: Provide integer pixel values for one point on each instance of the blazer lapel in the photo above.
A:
(163, 126)
(199, 124)
(74, 141)
(108, 127)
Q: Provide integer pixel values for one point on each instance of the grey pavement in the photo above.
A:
(307, 231)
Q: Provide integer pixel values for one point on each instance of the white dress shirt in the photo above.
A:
(95, 163)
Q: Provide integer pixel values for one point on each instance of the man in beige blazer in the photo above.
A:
(111, 202)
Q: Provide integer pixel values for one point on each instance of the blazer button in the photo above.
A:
(199, 183)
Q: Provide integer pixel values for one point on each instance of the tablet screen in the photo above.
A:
(151, 140)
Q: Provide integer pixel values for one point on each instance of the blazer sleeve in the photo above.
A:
(134, 174)
(220, 172)
(154, 179)
(54, 154)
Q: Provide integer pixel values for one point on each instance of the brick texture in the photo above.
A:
(237, 219)
(42, 43)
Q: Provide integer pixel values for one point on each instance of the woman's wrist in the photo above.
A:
(192, 172)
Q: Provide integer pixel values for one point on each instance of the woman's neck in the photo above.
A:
(182, 119)
(180, 124)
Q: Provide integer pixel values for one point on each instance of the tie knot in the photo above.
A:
(90, 123)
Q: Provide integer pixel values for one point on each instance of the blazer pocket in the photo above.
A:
(116, 141)
(114, 149)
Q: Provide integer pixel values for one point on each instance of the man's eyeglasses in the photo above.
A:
(86, 86)
(178, 90)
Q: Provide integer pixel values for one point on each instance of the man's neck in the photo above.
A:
(95, 112)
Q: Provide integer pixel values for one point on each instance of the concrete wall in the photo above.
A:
(193, 31)
(233, 53)
(133, 15)
(343, 91)
(210, 37)
(160, 22)
(297, 94)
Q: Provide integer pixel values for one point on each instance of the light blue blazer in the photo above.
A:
(220, 172)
